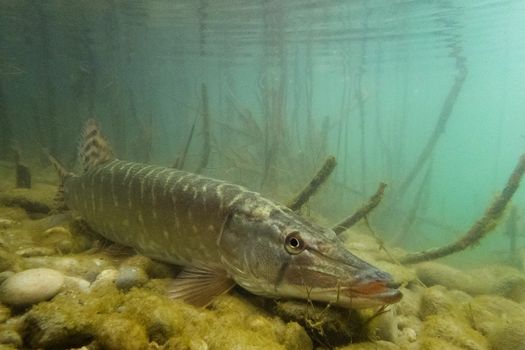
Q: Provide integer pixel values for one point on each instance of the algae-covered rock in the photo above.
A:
(9, 261)
(35, 251)
(10, 337)
(104, 279)
(154, 269)
(130, 276)
(501, 320)
(31, 286)
(511, 286)
(58, 324)
(5, 275)
(437, 344)
(453, 331)
(500, 280)
(435, 300)
(14, 215)
(410, 304)
(5, 313)
(509, 335)
(264, 331)
(407, 338)
(7, 223)
(432, 273)
(377, 345)
(486, 312)
(108, 316)
(76, 283)
(120, 333)
(382, 326)
(61, 239)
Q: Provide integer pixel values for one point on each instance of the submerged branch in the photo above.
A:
(444, 116)
(205, 129)
(179, 162)
(314, 184)
(361, 212)
(481, 227)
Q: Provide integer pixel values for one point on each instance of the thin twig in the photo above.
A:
(314, 184)
(179, 162)
(484, 225)
(361, 212)
(444, 116)
(205, 129)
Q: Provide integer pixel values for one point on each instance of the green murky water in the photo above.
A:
(425, 96)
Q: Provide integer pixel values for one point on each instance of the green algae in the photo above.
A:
(453, 331)
(448, 315)
(377, 345)
(142, 316)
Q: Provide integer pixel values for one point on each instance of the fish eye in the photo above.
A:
(293, 243)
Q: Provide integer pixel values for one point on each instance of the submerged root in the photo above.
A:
(484, 225)
(312, 187)
(361, 212)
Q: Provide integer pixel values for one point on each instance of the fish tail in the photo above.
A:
(93, 148)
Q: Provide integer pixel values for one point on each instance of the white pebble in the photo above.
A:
(31, 286)
(104, 278)
(57, 230)
(76, 283)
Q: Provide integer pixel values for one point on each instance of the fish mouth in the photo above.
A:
(365, 295)
(375, 292)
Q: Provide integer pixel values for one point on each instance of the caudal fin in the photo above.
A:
(93, 148)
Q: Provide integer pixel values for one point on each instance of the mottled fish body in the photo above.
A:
(172, 215)
(221, 233)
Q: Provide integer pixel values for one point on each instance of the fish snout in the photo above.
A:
(377, 285)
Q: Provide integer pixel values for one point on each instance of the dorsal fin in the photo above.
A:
(93, 149)
(59, 200)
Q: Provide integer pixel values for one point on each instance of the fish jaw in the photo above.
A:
(334, 275)
(359, 296)
(321, 270)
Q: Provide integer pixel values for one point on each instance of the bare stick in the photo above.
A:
(179, 162)
(361, 212)
(444, 116)
(481, 227)
(314, 184)
(205, 129)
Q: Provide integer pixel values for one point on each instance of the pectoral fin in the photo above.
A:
(199, 285)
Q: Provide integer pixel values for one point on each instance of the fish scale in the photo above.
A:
(190, 208)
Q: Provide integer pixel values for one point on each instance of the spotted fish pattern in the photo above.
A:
(221, 233)
(156, 209)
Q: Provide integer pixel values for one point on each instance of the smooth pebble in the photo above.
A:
(76, 283)
(31, 286)
(130, 276)
(104, 278)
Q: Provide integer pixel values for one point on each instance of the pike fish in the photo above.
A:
(221, 234)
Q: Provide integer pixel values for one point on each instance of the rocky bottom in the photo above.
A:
(62, 287)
